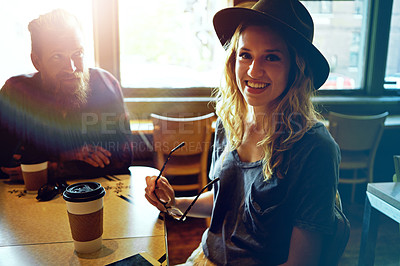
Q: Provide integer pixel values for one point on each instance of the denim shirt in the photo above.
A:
(252, 218)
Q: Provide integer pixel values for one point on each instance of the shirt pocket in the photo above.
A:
(263, 211)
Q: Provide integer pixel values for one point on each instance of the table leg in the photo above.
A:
(368, 234)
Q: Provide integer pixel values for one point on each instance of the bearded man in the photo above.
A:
(65, 113)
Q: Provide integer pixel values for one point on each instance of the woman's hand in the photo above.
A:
(93, 155)
(164, 191)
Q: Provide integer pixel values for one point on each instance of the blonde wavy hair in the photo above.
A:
(293, 111)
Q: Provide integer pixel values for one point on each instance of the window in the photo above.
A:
(338, 27)
(173, 44)
(170, 45)
(159, 45)
(15, 47)
(317, 7)
(392, 75)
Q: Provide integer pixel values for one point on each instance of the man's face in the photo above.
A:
(62, 70)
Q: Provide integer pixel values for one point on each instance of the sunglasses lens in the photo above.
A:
(47, 192)
(175, 213)
(62, 186)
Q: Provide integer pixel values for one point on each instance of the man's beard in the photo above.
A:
(68, 97)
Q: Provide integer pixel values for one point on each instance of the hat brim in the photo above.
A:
(227, 20)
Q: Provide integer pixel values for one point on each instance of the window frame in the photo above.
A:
(378, 19)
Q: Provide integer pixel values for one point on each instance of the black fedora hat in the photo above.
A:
(289, 16)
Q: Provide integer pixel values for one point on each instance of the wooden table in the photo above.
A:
(38, 233)
(382, 198)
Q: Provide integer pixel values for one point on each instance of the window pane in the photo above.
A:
(170, 45)
(392, 76)
(15, 47)
(339, 34)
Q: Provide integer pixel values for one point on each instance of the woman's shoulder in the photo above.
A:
(319, 138)
(318, 132)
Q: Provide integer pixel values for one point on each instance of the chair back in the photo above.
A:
(334, 245)
(357, 133)
(191, 159)
(170, 132)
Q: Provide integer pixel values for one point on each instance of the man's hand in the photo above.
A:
(93, 155)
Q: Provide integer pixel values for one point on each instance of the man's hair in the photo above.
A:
(57, 20)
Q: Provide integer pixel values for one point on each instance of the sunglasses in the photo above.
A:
(173, 211)
(49, 191)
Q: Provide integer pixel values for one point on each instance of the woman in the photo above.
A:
(278, 166)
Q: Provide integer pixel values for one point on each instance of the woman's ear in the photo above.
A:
(35, 61)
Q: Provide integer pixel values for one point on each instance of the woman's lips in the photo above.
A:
(256, 87)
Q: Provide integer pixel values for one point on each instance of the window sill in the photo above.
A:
(143, 106)
(357, 104)
(356, 100)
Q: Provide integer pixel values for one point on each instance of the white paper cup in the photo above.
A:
(85, 213)
(34, 175)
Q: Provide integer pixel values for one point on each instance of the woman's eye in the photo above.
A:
(272, 57)
(245, 55)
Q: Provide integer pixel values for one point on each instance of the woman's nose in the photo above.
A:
(255, 69)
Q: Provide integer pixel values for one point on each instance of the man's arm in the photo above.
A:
(122, 146)
(8, 141)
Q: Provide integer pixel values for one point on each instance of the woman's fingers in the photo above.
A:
(167, 189)
(155, 203)
(149, 193)
(162, 191)
(150, 183)
(150, 187)
(163, 196)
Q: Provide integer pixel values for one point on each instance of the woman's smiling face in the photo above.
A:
(262, 65)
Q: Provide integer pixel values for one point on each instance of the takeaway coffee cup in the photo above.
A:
(34, 175)
(85, 213)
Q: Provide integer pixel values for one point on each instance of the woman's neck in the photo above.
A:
(258, 119)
